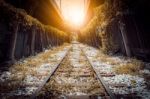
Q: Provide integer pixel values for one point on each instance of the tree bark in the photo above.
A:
(125, 40)
(33, 41)
(13, 43)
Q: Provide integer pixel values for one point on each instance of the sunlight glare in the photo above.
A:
(73, 11)
(76, 16)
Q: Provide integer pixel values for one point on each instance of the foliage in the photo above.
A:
(25, 34)
(12, 14)
(133, 67)
(97, 33)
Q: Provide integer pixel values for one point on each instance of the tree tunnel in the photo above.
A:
(121, 25)
(113, 26)
(74, 49)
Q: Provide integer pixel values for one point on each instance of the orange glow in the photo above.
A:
(76, 17)
(73, 11)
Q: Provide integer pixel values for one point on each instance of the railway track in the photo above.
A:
(112, 96)
(48, 77)
(74, 78)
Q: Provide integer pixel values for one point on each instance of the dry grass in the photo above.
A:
(107, 59)
(25, 67)
(124, 66)
(19, 68)
(8, 86)
(131, 67)
(35, 61)
(89, 85)
(11, 84)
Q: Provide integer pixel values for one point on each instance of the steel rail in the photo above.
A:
(35, 94)
(112, 96)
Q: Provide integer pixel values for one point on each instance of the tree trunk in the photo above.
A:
(11, 52)
(125, 40)
(33, 41)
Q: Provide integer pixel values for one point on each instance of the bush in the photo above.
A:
(97, 33)
(28, 35)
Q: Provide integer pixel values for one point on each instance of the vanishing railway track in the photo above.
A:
(76, 80)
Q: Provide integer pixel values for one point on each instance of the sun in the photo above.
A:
(73, 12)
(76, 17)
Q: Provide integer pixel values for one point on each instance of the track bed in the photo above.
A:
(74, 78)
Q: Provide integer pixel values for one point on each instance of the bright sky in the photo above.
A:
(73, 11)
